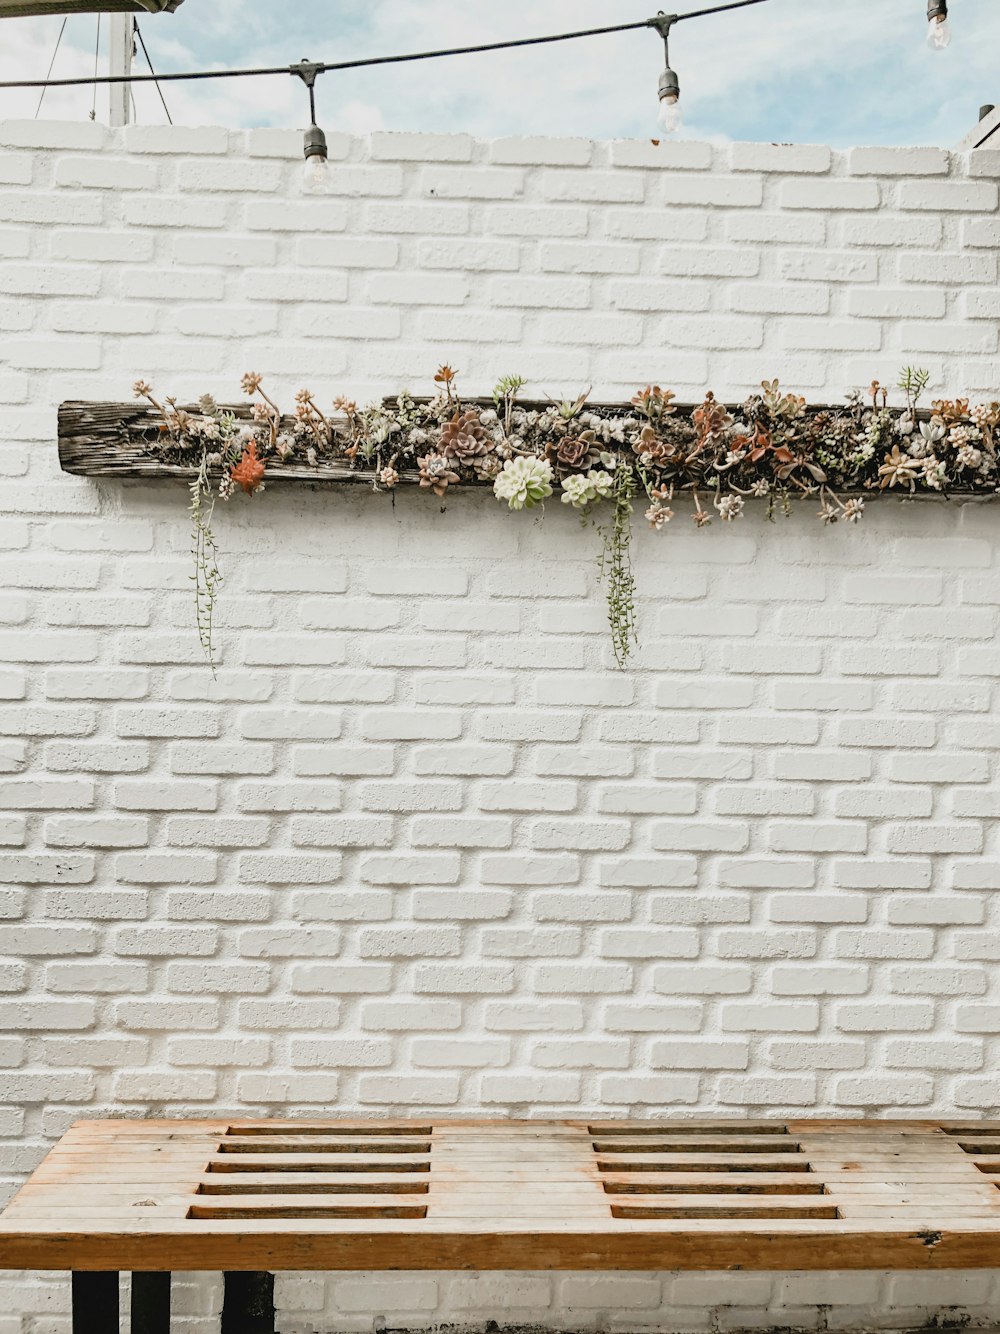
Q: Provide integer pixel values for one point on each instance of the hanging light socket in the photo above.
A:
(939, 29)
(315, 143)
(670, 84)
(314, 146)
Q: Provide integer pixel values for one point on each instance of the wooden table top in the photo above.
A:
(431, 1194)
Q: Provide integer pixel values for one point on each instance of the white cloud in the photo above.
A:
(787, 69)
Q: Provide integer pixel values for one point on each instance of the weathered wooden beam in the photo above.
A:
(125, 440)
(120, 440)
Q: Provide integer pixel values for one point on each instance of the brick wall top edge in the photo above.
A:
(459, 147)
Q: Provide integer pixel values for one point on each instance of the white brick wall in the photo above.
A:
(421, 846)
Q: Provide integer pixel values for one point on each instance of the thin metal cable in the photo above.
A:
(46, 84)
(97, 61)
(166, 109)
(371, 61)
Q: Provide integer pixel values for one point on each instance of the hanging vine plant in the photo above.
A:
(709, 459)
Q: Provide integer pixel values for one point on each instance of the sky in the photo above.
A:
(841, 72)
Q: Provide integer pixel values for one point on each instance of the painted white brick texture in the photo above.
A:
(420, 847)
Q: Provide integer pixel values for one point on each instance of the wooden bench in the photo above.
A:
(251, 1198)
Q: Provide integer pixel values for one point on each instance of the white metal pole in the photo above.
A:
(120, 49)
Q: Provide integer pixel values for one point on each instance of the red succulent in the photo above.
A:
(249, 472)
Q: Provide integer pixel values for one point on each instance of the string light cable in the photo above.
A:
(315, 147)
(368, 62)
(308, 71)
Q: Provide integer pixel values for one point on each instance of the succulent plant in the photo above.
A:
(524, 483)
(464, 438)
(435, 472)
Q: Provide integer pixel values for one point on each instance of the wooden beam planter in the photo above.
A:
(123, 440)
(708, 459)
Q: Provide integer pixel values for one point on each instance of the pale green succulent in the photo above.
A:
(524, 483)
(581, 490)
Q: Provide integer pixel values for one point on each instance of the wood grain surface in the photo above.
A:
(382, 1195)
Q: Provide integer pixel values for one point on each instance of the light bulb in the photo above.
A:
(671, 114)
(316, 173)
(939, 33)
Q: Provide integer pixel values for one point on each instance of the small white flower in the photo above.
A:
(729, 507)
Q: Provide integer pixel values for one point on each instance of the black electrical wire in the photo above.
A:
(371, 61)
(717, 9)
(166, 109)
(46, 83)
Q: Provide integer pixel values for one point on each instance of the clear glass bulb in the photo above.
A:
(316, 173)
(939, 34)
(671, 115)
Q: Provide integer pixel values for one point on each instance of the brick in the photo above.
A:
(613, 187)
(477, 183)
(831, 266)
(702, 979)
(928, 267)
(175, 139)
(429, 868)
(687, 1054)
(272, 868)
(949, 196)
(712, 192)
(46, 794)
(889, 303)
(647, 225)
(820, 979)
(831, 195)
(783, 300)
(705, 262)
(770, 1017)
(163, 211)
(106, 173)
(791, 228)
(226, 251)
(398, 147)
(435, 219)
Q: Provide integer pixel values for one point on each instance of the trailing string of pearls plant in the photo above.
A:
(708, 460)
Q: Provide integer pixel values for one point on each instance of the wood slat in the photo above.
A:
(326, 1194)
